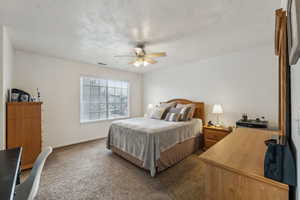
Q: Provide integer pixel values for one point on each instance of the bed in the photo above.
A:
(157, 144)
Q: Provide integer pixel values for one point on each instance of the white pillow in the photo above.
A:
(160, 111)
(157, 112)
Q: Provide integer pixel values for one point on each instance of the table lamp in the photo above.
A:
(149, 110)
(217, 109)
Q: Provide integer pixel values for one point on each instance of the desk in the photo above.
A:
(234, 168)
(9, 171)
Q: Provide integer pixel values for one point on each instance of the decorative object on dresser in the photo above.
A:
(244, 117)
(23, 129)
(217, 109)
(252, 123)
(38, 94)
(18, 95)
(213, 134)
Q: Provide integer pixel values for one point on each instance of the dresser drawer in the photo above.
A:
(209, 143)
(214, 135)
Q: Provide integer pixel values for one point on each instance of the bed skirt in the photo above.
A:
(169, 157)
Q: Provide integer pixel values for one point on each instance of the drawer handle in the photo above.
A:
(212, 137)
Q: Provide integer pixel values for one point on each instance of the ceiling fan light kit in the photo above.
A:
(140, 63)
(143, 59)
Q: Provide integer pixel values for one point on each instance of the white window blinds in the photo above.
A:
(102, 99)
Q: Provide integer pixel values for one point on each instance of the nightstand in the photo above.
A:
(213, 134)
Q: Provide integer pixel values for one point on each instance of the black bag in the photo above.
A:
(279, 164)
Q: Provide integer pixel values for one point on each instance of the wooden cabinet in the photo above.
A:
(234, 168)
(23, 129)
(212, 135)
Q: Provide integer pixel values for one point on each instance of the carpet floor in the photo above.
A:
(89, 171)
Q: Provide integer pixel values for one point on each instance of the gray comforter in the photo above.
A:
(145, 138)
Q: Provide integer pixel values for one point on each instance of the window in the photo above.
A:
(102, 99)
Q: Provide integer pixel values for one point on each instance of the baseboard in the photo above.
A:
(82, 142)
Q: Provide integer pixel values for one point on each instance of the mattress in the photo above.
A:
(145, 138)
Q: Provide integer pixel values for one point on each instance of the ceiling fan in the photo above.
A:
(142, 58)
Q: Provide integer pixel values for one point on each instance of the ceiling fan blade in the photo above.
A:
(136, 60)
(156, 55)
(132, 62)
(149, 60)
(140, 59)
(124, 56)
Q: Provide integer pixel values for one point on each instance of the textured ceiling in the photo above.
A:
(95, 31)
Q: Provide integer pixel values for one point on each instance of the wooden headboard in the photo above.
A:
(199, 112)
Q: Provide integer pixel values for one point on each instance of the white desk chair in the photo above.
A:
(29, 188)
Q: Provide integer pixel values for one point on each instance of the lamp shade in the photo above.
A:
(149, 110)
(150, 106)
(217, 109)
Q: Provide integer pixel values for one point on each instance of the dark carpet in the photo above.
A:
(90, 171)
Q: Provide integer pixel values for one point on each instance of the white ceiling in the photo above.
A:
(94, 31)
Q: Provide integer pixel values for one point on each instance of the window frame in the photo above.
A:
(108, 118)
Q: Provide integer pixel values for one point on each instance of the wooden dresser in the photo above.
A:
(234, 168)
(23, 129)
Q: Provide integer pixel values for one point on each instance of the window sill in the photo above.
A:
(103, 120)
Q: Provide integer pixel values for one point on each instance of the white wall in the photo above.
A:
(245, 81)
(59, 83)
(295, 87)
(6, 67)
(2, 110)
